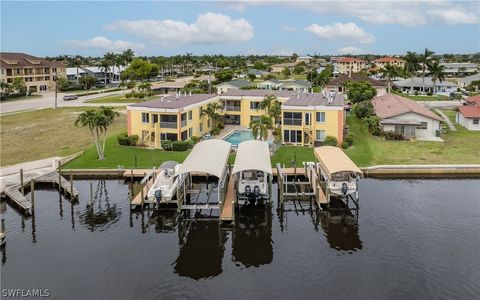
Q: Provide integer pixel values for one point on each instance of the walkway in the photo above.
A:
(446, 119)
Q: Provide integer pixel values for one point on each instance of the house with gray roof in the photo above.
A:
(301, 86)
(416, 84)
(232, 85)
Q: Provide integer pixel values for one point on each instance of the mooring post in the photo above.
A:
(135, 161)
(59, 176)
(91, 193)
(131, 184)
(3, 225)
(71, 185)
(32, 191)
(141, 200)
(154, 174)
(21, 182)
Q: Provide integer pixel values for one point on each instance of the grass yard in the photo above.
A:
(119, 99)
(44, 133)
(423, 97)
(460, 147)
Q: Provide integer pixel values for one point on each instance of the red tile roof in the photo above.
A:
(20, 60)
(350, 59)
(473, 100)
(342, 79)
(391, 105)
(387, 59)
(470, 111)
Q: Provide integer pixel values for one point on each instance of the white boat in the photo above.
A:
(252, 184)
(165, 186)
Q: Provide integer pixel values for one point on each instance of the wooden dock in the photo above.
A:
(289, 171)
(150, 180)
(61, 182)
(19, 199)
(136, 172)
(228, 208)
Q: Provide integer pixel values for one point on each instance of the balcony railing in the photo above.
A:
(232, 108)
(168, 124)
(295, 122)
(183, 123)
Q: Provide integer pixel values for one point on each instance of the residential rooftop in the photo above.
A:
(17, 59)
(259, 93)
(174, 101)
(418, 82)
(470, 112)
(237, 83)
(391, 105)
(350, 59)
(342, 79)
(316, 99)
(387, 59)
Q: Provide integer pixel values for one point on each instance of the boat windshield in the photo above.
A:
(341, 176)
(253, 175)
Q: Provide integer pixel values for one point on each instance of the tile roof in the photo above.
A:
(340, 80)
(418, 82)
(350, 59)
(391, 105)
(237, 83)
(259, 93)
(470, 111)
(172, 102)
(16, 60)
(387, 59)
(315, 99)
(473, 100)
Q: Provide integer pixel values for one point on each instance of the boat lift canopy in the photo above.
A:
(334, 160)
(210, 156)
(253, 155)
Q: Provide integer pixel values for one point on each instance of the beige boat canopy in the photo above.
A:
(210, 157)
(333, 160)
(253, 155)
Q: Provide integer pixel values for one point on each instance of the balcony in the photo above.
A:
(183, 123)
(168, 125)
(294, 122)
(232, 108)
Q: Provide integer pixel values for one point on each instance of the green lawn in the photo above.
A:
(119, 99)
(424, 97)
(286, 154)
(460, 147)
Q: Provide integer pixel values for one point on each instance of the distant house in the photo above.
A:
(469, 115)
(337, 84)
(459, 69)
(463, 82)
(348, 65)
(232, 85)
(306, 59)
(278, 68)
(113, 75)
(407, 117)
(416, 84)
(382, 62)
(301, 86)
(256, 72)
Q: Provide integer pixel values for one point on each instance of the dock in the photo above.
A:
(228, 208)
(61, 182)
(149, 180)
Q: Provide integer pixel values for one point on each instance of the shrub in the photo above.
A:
(416, 93)
(128, 95)
(180, 146)
(125, 140)
(390, 135)
(220, 125)
(130, 84)
(429, 93)
(349, 139)
(195, 139)
(141, 96)
(330, 141)
(345, 145)
(166, 145)
(215, 131)
(373, 124)
(363, 109)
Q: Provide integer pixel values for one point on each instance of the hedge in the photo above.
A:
(126, 140)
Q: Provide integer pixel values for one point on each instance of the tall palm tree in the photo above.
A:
(388, 73)
(211, 111)
(110, 57)
(107, 116)
(266, 104)
(78, 64)
(260, 127)
(411, 64)
(425, 59)
(89, 119)
(436, 71)
(128, 56)
(105, 68)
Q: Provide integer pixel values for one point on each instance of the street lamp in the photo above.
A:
(55, 79)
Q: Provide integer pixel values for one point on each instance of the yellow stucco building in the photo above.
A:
(306, 118)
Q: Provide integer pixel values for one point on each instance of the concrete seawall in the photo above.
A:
(422, 171)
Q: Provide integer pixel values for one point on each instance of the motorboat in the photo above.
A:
(164, 188)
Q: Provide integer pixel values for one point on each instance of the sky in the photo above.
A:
(48, 28)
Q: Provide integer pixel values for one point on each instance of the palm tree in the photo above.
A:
(211, 111)
(260, 127)
(425, 59)
(127, 56)
(78, 64)
(111, 58)
(411, 64)
(389, 72)
(436, 71)
(251, 76)
(267, 103)
(275, 111)
(286, 72)
(107, 116)
(105, 68)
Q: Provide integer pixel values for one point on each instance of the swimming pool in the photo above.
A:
(237, 136)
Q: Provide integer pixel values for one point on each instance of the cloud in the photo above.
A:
(235, 6)
(209, 28)
(350, 50)
(103, 43)
(347, 32)
(288, 28)
(454, 17)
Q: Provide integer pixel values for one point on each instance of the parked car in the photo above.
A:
(70, 97)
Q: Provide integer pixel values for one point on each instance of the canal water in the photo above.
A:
(410, 239)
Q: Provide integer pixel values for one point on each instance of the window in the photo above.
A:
(291, 118)
(184, 135)
(320, 117)
(201, 127)
(423, 126)
(406, 130)
(190, 132)
(254, 118)
(145, 134)
(155, 118)
(254, 105)
(292, 136)
(145, 118)
(168, 136)
(475, 121)
(320, 135)
(190, 117)
(308, 117)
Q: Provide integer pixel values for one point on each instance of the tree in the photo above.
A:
(110, 57)
(127, 56)
(251, 77)
(211, 112)
(267, 103)
(363, 109)
(286, 72)
(18, 85)
(78, 64)
(97, 122)
(275, 111)
(436, 71)
(298, 69)
(260, 127)
(225, 75)
(155, 69)
(259, 65)
(123, 84)
(63, 83)
(389, 72)
(139, 69)
(5, 87)
(146, 88)
(411, 64)
(358, 91)
(425, 60)
(105, 68)
(87, 81)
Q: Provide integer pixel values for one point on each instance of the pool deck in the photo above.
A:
(231, 128)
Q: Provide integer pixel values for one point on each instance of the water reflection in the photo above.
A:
(164, 221)
(340, 224)
(101, 214)
(201, 249)
(252, 236)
